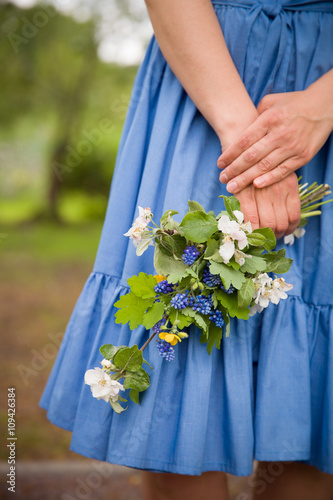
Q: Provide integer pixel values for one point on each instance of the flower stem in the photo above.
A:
(147, 342)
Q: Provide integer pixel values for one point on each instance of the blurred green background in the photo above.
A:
(63, 103)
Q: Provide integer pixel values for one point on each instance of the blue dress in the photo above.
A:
(268, 393)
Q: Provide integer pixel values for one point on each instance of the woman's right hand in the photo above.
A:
(276, 206)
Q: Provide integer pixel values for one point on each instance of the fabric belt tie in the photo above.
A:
(275, 8)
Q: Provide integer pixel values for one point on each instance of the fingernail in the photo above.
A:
(224, 178)
(258, 182)
(221, 164)
(232, 186)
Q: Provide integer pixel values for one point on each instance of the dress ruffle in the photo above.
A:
(268, 393)
(271, 394)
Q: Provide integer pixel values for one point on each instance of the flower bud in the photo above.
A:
(182, 335)
(106, 363)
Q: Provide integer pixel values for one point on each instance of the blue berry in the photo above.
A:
(157, 327)
(166, 350)
(231, 289)
(217, 318)
(163, 287)
(212, 280)
(202, 304)
(190, 255)
(180, 301)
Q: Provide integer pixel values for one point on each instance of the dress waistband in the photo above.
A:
(275, 7)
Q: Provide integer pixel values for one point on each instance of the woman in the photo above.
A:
(268, 393)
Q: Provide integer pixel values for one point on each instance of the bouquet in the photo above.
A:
(209, 268)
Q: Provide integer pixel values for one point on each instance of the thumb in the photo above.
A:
(266, 102)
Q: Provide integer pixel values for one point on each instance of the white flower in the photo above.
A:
(233, 231)
(268, 290)
(246, 226)
(290, 238)
(240, 257)
(227, 249)
(145, 214)
(106, 363)
(101, 384)
(239, 216)
(139, 225)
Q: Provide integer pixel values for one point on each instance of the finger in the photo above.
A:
(249, 206)
(266, 211)
(280, 172)
(293, 204)
(252, 156)
(267, 163)
(281, 213)
(250, 136)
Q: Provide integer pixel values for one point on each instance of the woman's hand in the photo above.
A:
(277, 206)
(290, 130)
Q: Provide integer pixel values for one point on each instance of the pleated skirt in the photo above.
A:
(268, 393)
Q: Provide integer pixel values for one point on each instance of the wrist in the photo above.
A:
(232, 125)
(319, 96)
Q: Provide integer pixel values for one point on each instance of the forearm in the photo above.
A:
(192, 42)
(320, 98)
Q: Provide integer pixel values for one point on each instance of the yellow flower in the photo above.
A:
(172, 338)
(159, 278)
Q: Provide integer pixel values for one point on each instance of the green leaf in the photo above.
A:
(230, 203)
(197, 318)
(254, 264)
(227, 330)
(109, 350)
(129, 358)
(176, 277)
(174, 244)
(234, 264)
(183, 278)
(131, 309)
(256, 239)
(277, 262)
(269, 235)
(211, 248)
(230, 302)
(143, 285)
(214, 337)
(229, 276)
(148, 364)
(216, 257)
(138, 380)
(166, 217)
(123, 400)
(198, 226)
(255, 251)
(214, 299)
(184, 320)
(117, 407)
(194, 206)
(143, 245)
(245, 294)
(166, 264)
(153, 315)
(134, 395)
(185, 282)
(234, 203)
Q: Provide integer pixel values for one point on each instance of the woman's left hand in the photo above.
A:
(289, 131)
